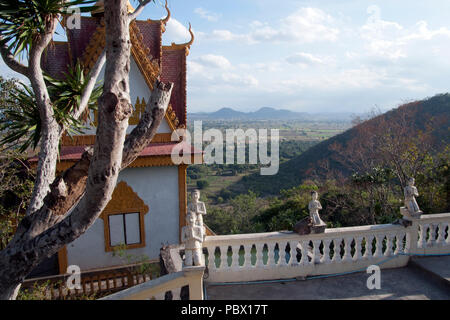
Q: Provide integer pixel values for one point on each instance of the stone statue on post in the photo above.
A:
(199, 208)
(313, 223)
(411, 208)
(192, 236)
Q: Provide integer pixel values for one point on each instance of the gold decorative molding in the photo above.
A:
(141, 54)
(82, 140)
(140, 162)
(182, 46)
(149, 68)
(172, 119)
(62, 260)
(124, 200)
(94, 47)
(139, 109)
(152, 161)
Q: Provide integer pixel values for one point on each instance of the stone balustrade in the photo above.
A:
(282, 255)
(156, 289)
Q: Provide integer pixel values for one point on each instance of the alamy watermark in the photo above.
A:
(74, 280)
(374, 281)
(73, 18)
(258, 142)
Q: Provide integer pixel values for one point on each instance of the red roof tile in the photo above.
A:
(73, 153)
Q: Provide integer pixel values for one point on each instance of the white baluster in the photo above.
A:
(304, 249)
(223, 257)
(432, 239)
(358, 249)
(369, 247)
(282, 245)
(423, 236)
(235, 256)
(347, 247)
(293, 260)
(379, 246)
(159, 296)
(337, 250)
(271, 254)
(211, 258)
(176, 294)
(326, 251)
(316, 251)
(248, 256)
(441, 234)
(398, 241)
(259, 255)
(407, 248)
(389, 243)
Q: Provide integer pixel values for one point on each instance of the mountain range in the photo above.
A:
(267, 113)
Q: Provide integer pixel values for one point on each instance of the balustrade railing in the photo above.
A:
(93, 283)
(281, 255)
(171, 283)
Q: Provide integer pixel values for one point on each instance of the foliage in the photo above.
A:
(20, 119)
(15, 175)
(140, 263)
(22, 21)
(37, 292)
(15, 192)
(202, 184)
(237, 216)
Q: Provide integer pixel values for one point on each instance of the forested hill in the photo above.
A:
(425, 123)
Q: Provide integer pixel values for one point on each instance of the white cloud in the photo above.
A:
(213, 61)
(304, 26)
(176, 32)
(390, 40)
(239, 79)
(309, 25)
(423, 33)
(205, 14)
(304, 59)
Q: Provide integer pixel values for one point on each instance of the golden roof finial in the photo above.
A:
(166, 19)
(186, 46)
(162, 21)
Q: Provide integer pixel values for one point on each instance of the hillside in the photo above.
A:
(322, 159)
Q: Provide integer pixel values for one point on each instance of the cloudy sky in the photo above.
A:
(313, 56)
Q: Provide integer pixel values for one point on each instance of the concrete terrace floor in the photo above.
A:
(422, 279)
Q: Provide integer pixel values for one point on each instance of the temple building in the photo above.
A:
(148, 206)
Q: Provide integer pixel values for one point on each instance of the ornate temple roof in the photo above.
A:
(152, 58)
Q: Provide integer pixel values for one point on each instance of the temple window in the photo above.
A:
(123, 219)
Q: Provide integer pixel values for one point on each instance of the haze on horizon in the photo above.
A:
(309, 56)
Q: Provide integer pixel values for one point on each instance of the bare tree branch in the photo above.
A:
(8, 57)
(142, 134)
(93, 75)
(139, 9)
(51, 131)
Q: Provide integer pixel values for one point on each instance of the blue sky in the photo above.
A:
(310, 56)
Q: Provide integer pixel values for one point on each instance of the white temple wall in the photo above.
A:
(158, 187)
(138, 88)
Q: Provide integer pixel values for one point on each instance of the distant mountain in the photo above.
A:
(310, 163)
(267, 113)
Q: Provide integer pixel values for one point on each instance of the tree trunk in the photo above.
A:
(19, 258)
(48, 154)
